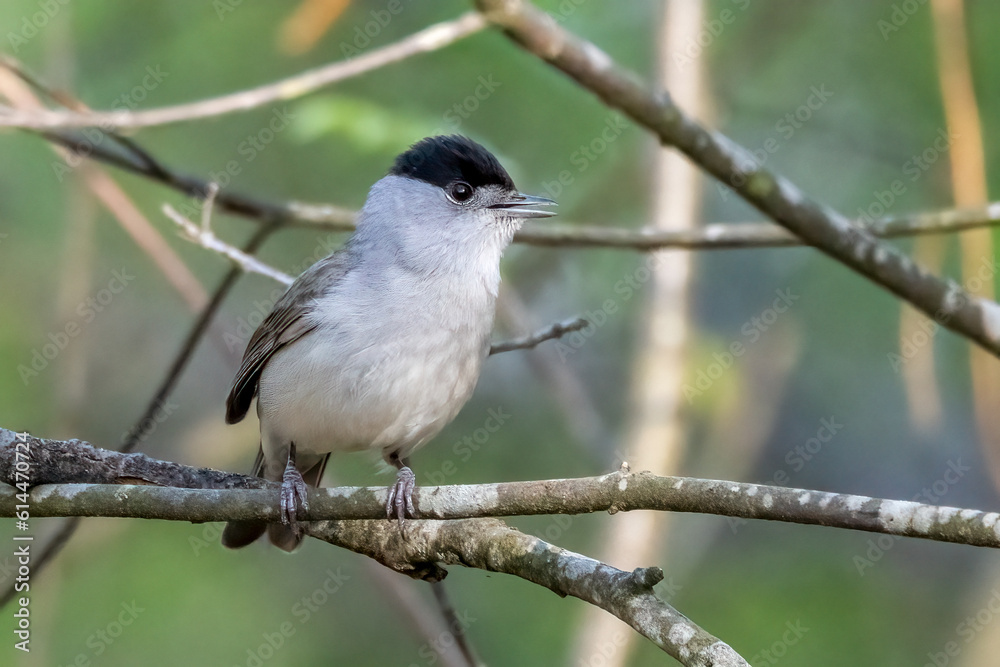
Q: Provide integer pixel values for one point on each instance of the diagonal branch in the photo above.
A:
(817, 225)
(429, 39)
(492, 545)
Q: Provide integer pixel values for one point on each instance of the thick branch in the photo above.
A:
(429, 39)
(778, 198)
(492, 545)
(487, 544)
(80, 480)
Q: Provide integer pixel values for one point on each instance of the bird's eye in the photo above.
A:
(461, 191)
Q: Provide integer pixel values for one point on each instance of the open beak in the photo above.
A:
(526, 206)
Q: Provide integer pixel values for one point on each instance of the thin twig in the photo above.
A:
(454, 623)
(716, 236)
(429, 39)
(557, 330)
(206, 238)
(139, 432)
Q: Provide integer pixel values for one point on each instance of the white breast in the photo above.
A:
(376, 372)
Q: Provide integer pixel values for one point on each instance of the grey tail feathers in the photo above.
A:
(239, 534)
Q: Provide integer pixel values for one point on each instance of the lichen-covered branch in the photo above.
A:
(77, 479)
(828, 230)
(487, 544)
(492, 545)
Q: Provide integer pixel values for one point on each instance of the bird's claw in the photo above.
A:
(294, 496)
(400, 500)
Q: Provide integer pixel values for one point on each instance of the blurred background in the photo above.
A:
(876, 108)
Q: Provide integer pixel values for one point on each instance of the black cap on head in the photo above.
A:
(445, 159)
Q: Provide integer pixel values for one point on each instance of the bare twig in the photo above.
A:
(710, 237)
(206, 238)
(139, 432)
(131, 157)
(107, 191)
(454, 623)
(557, 330)
(717, 236)
(429, 39)
(818, 225)
(724, 236)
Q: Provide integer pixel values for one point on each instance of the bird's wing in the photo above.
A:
(284, 325)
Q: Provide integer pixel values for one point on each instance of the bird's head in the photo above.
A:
(448, 194)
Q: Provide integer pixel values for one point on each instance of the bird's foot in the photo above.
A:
(294, 493)
(400, 500)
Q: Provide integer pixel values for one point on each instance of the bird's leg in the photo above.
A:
(294, 492)
(400, 500)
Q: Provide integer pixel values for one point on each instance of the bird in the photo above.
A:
(379, 345)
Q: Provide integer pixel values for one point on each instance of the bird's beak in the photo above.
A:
(524, 206)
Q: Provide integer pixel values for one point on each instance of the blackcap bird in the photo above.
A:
(380, 344)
